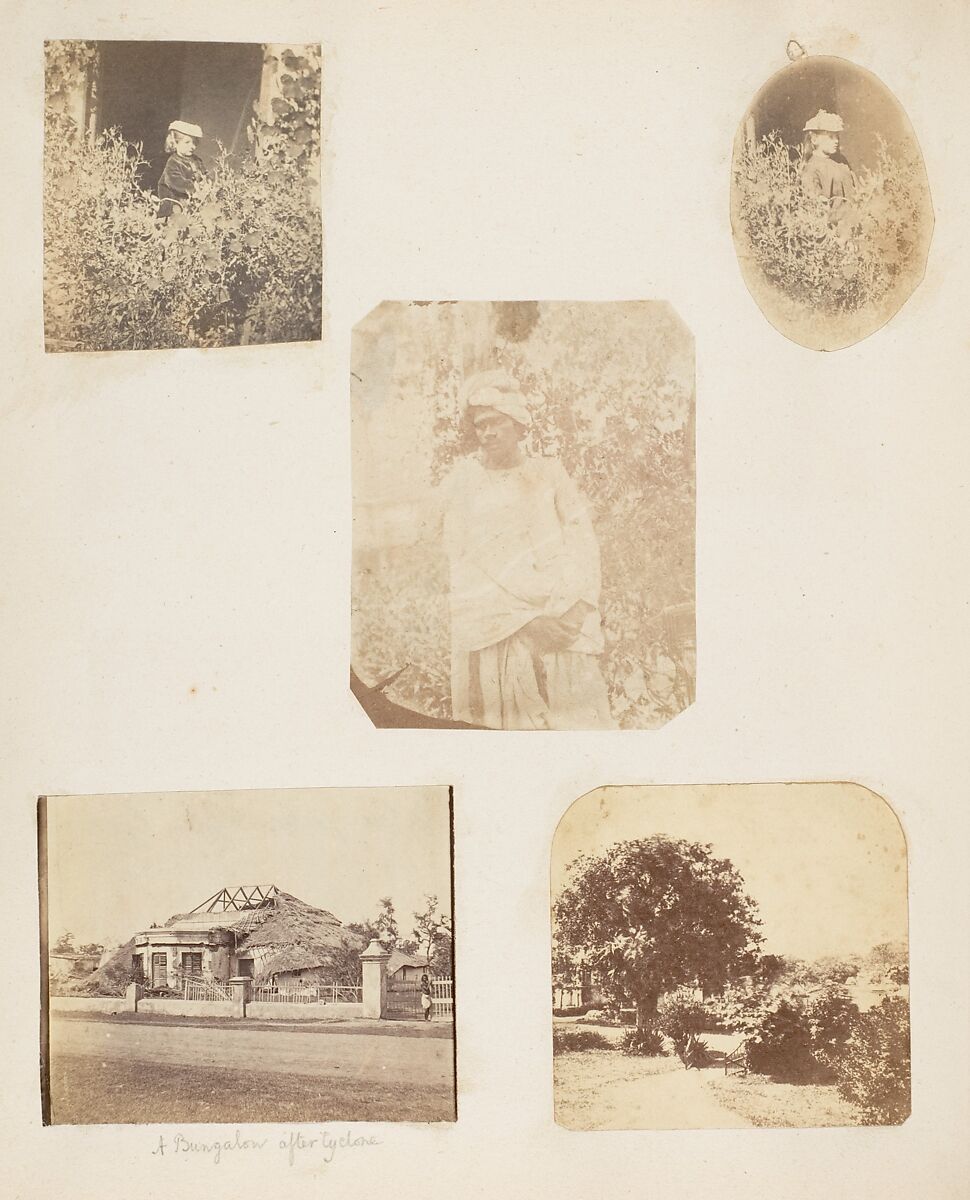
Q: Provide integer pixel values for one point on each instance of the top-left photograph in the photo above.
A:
(181, 195)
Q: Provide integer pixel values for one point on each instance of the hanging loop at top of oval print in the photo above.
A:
(830, 204)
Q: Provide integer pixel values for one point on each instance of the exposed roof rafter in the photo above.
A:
(238, 899)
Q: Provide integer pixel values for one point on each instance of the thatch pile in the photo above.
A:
(112, 977)
(297, 937)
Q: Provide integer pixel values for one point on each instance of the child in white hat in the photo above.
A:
(184, 170)
(826, 173)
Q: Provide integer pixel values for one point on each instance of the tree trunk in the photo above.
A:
(647, 1010)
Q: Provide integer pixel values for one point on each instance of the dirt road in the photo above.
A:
(421, 1062)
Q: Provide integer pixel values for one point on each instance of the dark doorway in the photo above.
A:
(144, 86)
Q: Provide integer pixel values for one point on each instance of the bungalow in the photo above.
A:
(257, 931)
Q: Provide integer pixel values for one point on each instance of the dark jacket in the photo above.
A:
(181, 176)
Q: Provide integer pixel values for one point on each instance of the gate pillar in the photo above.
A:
(373, 963)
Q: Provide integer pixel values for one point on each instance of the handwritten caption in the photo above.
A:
(294, 1145)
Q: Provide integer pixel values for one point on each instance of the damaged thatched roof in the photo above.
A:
(296, 936)
(111, 978)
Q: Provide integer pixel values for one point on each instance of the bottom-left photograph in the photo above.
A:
(279, 956)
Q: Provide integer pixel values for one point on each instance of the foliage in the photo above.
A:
(658, 913)
(803, 1037)
(874, 1071)
(782, 1045)
(889, 961)
(739, 1007)
(680, 1015)
(612, 399)
(64, 944)
(566, 1040)
(432, 932)
(693, 1051)
(833, 263)
(241, 263)
(646, 1040)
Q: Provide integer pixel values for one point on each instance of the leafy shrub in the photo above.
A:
(565, 1041)
(874, 1068)
(241, 263)
(693, 1051)
(831, 1015)
(644, 1040)
(680, 1015)
(835, 267)
(739, 1008)
(782, 1045)
(802, 1038)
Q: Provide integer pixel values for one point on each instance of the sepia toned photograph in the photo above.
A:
(732, 956)
(181, 194)
(248, 956)
(830, 203)
(523, 544)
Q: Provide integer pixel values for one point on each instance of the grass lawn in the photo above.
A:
(784, 1105)
(85, 1092)
(582, 1081)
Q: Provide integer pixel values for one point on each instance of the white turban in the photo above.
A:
(494, 389)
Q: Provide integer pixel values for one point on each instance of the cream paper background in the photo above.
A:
(180, 520)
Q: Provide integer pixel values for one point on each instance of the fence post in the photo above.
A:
(132, 996)
(374, 962)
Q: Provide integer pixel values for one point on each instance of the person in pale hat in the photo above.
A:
(826, 174)
(524, 576)
(184, 170)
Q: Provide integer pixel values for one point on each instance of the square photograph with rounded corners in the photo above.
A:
(730, 956)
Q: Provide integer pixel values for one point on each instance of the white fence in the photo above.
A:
(197, 988)
(322, 993)
(442, 997)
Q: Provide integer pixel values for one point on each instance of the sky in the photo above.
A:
(116, 864)
(826, 863)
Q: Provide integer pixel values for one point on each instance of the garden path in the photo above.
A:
(677, 1099)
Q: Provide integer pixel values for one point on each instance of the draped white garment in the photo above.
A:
(520, 545)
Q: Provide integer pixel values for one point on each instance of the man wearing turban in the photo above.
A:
(525, 577)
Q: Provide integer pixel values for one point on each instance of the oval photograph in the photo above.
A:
(830, 203)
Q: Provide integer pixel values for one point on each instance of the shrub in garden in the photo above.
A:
(739, 1008)
(789, 234)
(782, 1044)
(874, 1070)
(645, 1040)
(831, 1016)
(680, 1015)
(567, 1040)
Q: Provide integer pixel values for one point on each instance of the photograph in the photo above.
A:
(730, 956)
(830, 202)
(181, 194)
(176, 989)
(523, 538)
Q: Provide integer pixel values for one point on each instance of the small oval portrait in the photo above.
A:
(830, 203)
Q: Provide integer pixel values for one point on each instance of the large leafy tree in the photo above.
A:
(658, 913)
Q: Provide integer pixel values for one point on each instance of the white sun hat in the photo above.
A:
(494, 389)
(192, 131)
(824, 122)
